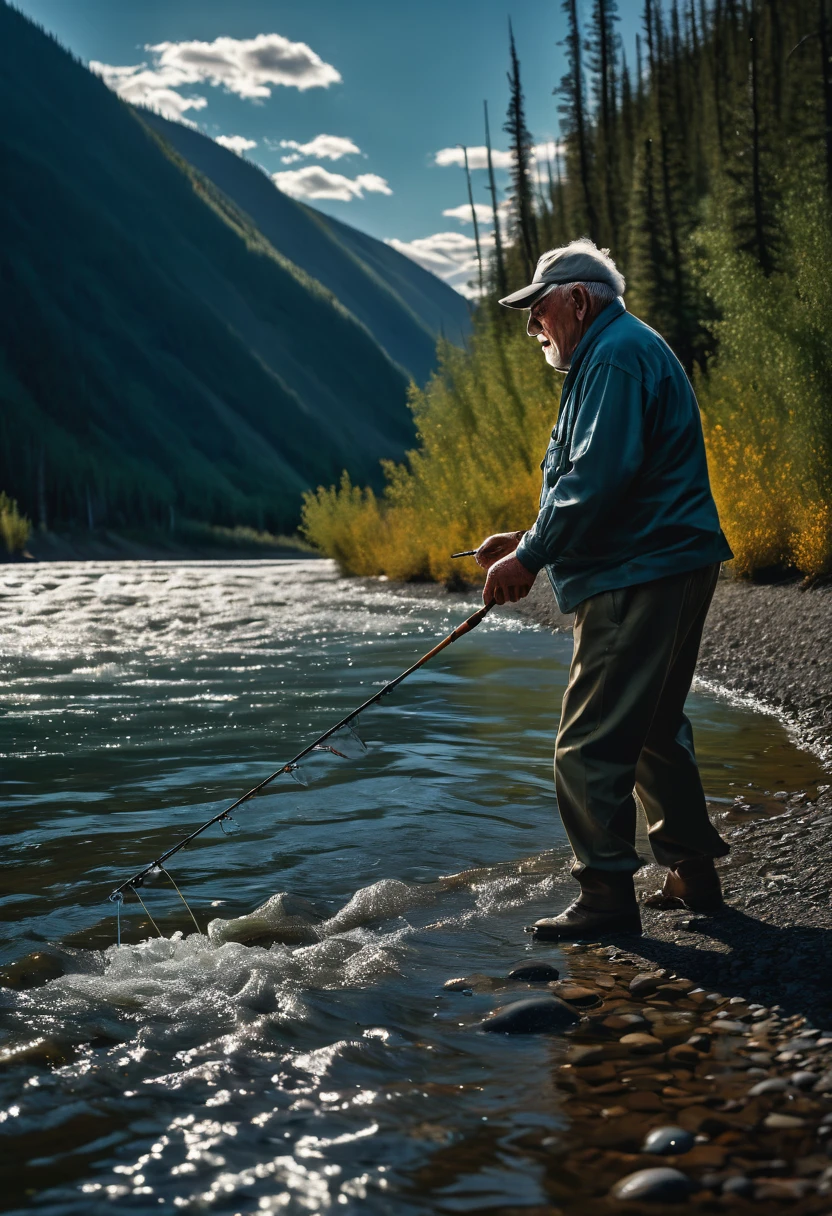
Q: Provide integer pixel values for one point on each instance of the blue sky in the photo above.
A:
(391, 84)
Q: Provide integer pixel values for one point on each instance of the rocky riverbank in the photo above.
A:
(771, 645)
(673, 1092)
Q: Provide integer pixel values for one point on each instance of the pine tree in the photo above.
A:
(602, 45)
(752, 202)
(576, 126)
(474, 221)
(499, 257)
(522, 199)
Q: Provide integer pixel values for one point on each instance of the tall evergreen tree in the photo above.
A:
(522, 197)
(499, 256)
(602, 44)
(576, 124)
(474, 221)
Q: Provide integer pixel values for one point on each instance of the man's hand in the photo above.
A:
(497, 546)
(508, 581)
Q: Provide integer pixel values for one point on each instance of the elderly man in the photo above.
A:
(629, 536)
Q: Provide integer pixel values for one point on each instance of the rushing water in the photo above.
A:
(310, 1060)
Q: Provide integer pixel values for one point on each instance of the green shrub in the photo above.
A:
(483, 423)
(14, 527)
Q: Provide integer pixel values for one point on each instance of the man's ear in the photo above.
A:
(581, 298)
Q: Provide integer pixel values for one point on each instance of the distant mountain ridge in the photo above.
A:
(159, 358)
(404, 306)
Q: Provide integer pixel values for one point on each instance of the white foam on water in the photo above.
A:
(290, 919)
(382, 900)
(189, 984)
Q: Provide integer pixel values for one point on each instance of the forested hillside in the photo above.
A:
(706, 168)
(158, 358)
(404, 306)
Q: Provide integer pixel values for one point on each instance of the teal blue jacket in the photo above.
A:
(626, 496)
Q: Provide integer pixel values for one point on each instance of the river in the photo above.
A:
(327, 1069)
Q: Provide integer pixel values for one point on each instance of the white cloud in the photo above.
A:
(143, 86)
(249, 67)
(451, 256)
(314, 181)
(547, 151)
(236, 143)
(463, 213)
(478, 157)
(322, 147)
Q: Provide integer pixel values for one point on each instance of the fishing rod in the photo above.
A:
(137, 880)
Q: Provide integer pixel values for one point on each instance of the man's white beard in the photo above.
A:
(552, 357)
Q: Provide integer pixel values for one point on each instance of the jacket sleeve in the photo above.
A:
(605, 455)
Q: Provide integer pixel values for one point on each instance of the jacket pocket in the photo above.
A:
(552, 464)
(619, 600)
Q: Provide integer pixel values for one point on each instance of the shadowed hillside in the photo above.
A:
(405, 307)
(158, 358)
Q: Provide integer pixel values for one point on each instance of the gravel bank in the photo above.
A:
(770, 645)
(672, 1092)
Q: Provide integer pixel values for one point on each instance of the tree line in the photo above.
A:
(705, 166)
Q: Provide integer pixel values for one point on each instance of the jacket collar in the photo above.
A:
(611, 313)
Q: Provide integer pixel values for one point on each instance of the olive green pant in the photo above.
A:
(623, 726)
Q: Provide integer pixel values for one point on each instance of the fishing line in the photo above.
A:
(147, 913)
(118, 900)
(182, 897)
(291, 766)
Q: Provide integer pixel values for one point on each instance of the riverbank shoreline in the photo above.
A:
(770, 647)
(764, 964)
(187, 545)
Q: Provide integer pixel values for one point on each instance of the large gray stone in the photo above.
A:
(534, 973)
(668, 1141)
(661, 1185)
(537, 1015)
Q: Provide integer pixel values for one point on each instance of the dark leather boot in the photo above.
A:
(606, 904)
(697, 884)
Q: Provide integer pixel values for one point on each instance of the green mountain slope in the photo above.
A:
(404, 306)
(156, 353)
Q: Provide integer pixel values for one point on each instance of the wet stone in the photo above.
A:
(575, 994)
(700, 1042)
(668, 1141)
(644, 985)
(727, 1026)
(683, 1054)
(774, 1085)
(468, 982)
(644, 1102)
(623, 1021)
(534, 973)
(537, 1015)
(641, 1044)
(588, 1054)
(738, 1185)
(804, 1080)
(661, 1185)
(779, 1122)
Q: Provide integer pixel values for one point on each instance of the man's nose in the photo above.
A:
(533, 326)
